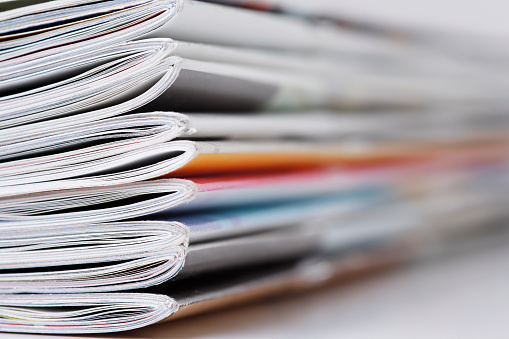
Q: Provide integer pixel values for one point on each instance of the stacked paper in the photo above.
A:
(264, 149)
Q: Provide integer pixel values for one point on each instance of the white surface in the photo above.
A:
(487, 17)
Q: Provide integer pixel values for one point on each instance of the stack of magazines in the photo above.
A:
(160, 158)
